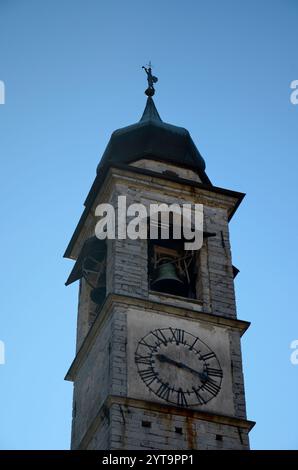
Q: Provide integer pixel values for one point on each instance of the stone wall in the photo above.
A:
(103, 373)
(100, 368)
(134, 428)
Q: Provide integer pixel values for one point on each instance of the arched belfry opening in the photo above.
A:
(171, 268)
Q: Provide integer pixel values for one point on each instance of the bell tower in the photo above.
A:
(158, 358)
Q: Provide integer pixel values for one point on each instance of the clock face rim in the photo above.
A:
(213, 383)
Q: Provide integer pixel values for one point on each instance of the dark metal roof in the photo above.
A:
(154, 139)
(151, 137)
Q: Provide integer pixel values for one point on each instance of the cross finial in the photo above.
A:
(151, 79)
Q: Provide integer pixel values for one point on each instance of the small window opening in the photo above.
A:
(178, 430)
(146, 424)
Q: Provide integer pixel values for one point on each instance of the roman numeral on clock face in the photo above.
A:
(160, 336)
(200, 399)
(147, 360)
(214, 372)
(148, 375)
(206, 357)
(193, 344)
(164, 391)
(177, 335)
(211, 387)
(181, 398)
(149, 346)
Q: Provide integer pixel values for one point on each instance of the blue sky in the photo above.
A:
(72, 71)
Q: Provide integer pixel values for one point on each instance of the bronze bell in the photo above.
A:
(98, 295)
(167, 280)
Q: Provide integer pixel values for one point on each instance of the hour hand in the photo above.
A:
(163, 358)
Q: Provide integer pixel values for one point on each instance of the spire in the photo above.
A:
(152, 138)
(150, 112)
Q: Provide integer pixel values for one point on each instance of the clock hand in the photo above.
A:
(203, 376)
(163, 358)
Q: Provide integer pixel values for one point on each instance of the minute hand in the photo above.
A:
(163, 358)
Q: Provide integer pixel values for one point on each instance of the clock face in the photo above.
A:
(178, 367)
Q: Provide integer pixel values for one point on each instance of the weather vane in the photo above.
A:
(151, 80)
